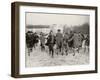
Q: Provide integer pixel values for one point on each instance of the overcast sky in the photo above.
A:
(49, 19)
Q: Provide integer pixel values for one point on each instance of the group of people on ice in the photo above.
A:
(59, 43)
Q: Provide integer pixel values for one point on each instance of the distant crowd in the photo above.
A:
(59, 43)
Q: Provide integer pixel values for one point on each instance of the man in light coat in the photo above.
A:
(59, 41)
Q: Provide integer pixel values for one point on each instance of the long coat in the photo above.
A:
(29, 39)
(77, 42)
(59, 39)
(65, 41)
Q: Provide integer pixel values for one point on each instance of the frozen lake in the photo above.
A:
(40, 58)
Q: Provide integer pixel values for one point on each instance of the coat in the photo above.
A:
(59, 38)
(50, 40)
(42, 39)
(77, 42)
(29, 39)
(65, 41)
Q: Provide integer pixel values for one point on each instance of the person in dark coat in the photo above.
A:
(65, 43)
(70, 43)
(50, 43)
(87, 40)
(86, 43)
(77, 42)
(29, 41)
(59, 41)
